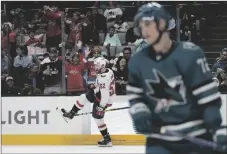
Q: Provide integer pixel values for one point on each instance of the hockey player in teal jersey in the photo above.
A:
(170, 88)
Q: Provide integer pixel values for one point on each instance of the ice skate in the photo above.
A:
(105, 141)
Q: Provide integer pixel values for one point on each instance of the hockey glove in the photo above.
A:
(91, 86)
(141, 117)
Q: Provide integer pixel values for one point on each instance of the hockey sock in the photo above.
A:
(75, 109)
(104, 132)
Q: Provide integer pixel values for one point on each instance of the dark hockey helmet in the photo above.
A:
(151, 12)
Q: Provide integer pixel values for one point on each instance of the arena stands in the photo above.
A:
(33, 41)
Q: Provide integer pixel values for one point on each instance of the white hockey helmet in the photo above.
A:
(100, 64)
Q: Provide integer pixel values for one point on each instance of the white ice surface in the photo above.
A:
(73, 149)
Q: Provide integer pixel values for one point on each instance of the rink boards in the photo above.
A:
(35, 121)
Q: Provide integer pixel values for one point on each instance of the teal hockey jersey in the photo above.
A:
(178, 89)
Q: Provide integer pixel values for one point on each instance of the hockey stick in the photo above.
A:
(115, 109)
(199, 141)
(86, 113)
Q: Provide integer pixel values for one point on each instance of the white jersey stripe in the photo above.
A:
(182, 126)
(204, 88)
(176, 138)
(134, 89)
(139, 107)
(133, 96)
(209, 98)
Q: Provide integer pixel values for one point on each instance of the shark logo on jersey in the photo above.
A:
(166, 92)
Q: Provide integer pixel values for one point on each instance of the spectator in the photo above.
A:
(112, 12)
(9, 40)
(18, 18)
(172, 24)
(54, 28)
(46, 58)
(172, 29)
(10, 89)
(32, 40)
(204, 28)
(29, 89)
(4, 62)
(74, 70)
(98, 21)
(130, 36)
(4, 67)
(185, 34)
(221, 75)
(88, 31)
(6, 21)
(221, 61)
(75, 35)
(222, 78)
(95, 53)
(86, 51)
(112, 39)
(21, 64)
(121, 25)
(185, 20)
(121, 76)
(126, 54)
(35, 75)
(99, 25)
(100, 11)
(51, 72)
(22, 59)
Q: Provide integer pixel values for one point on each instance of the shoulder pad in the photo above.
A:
(189, 46)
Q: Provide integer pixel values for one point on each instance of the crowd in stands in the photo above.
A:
(33, 65)
(220, 70)
(32, 60)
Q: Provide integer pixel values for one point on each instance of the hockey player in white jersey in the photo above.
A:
(100, 95)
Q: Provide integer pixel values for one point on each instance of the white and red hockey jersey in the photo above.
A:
(106, 85)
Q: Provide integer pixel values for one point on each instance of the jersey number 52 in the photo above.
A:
(111, 88)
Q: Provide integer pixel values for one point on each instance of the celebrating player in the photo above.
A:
(100, 95)
(170, 88)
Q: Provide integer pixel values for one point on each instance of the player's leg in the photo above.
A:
(98, 117)
(81, 101)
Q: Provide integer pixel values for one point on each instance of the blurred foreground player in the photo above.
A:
(100, 95)
(170, 88)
